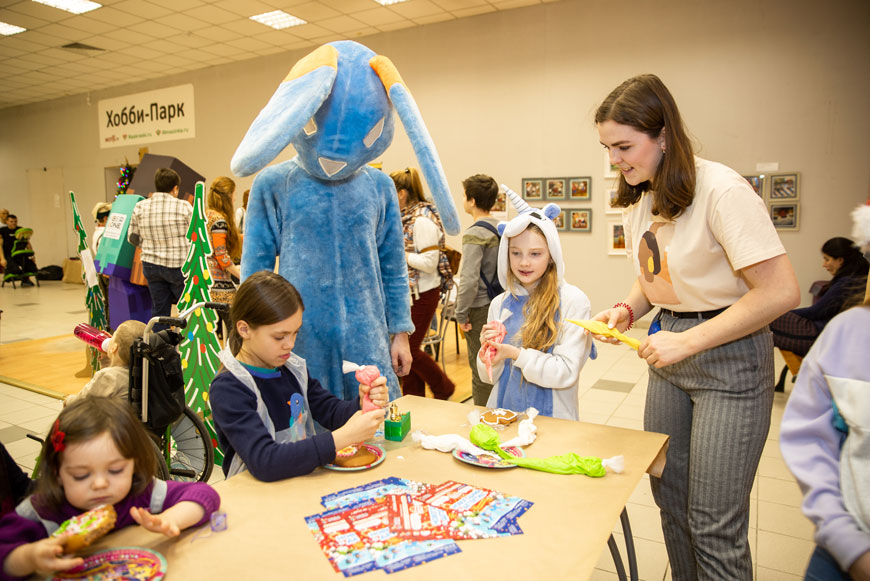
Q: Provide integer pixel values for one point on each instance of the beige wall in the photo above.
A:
(512, 94)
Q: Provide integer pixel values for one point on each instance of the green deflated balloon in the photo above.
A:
(486, 437)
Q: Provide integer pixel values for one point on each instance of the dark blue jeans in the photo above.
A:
(823, 567)
(165, 285)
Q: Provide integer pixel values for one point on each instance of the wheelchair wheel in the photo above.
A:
(191, 455)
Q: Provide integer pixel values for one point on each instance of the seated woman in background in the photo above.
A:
(796, 330)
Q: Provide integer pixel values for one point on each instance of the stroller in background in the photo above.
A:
(156, 393)
(20, 264)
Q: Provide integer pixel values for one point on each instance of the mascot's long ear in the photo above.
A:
(294, 103)
(422, 143)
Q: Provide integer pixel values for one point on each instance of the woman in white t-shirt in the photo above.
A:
(705, 252)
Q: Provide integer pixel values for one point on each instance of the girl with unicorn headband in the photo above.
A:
(539, 362)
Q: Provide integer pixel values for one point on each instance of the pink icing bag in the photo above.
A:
(366, 375)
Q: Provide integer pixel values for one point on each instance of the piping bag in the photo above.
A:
(601, 328)
(491, 351)
(487, 438)
(364, 374)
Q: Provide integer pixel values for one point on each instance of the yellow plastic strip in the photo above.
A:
(601, 328)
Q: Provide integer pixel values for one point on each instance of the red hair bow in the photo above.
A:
(57, 437)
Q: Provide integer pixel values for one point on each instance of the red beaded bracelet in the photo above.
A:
(630, 313)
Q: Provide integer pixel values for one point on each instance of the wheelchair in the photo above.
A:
(156, 393)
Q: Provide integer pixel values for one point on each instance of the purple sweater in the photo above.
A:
(16, 530)
(833, 471)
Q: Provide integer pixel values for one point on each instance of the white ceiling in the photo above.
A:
(146, 39)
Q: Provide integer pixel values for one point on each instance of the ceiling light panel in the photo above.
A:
(10, 29)
(278, 19)
(74, 6)
(389, 2)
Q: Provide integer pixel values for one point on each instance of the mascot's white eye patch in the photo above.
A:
(331, 166)
(374, 133)
(310, 128)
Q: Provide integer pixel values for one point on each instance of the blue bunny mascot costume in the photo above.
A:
(332, 220)
(547, 381)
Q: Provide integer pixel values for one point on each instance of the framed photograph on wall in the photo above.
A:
(499, 209)
(615, 237)
(610, 170)
(555, 189)
(757, 183)
(561, 221)
(533, 189)
(784, 187)
(580, 220)
(580, 189)
(785, 216)
(609, 200)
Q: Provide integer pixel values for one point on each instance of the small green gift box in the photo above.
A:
(396, 430)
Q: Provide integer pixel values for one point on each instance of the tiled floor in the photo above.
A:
(612, 391)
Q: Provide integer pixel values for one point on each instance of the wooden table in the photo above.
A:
(564, 531)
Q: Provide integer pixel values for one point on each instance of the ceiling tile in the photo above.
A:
(212, 14)
(37, 37)
(416, 8)
(278, 38)
(351, 6)
(191, 40)
(378, 16)
(153, 29)
(396, 25)
(432, 19)
(509, 4)
(41, 60)
(143, 9)
(248, 44)
(308, 31)
(115, 17)
(246, 8)
(458, 4)
(21, 19)
(220, 49)
(128, 36)
(141, 53)
(217, 34)
(341, 24)
(473, 11)
(63, 32)
(179, 5)
(89, 24)
(20, 42)
(107, 42)
(42, 11)
(312, 11)
(246, 27)
(182, 22)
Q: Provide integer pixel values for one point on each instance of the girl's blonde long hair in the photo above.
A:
(540, 329)
(220, 199)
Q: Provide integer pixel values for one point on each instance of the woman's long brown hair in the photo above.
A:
(220, 199)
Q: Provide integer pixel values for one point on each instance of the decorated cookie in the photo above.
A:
(498, 417)
(354, 456)
(82, 530)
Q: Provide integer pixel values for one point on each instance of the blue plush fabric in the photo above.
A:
(332, 220)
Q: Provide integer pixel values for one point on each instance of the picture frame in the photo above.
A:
(609, 197)
(785, 215)
(784, 187)
(615, 237)
(610, 170)
(580, 189)
(499, 209)
(561, 221)
(533, 189)
(555, 189)
(580, 219)
(757, 183)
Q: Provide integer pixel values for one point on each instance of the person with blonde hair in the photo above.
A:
(539, 361)
(225, 240)
(424, 245)
(114, 380)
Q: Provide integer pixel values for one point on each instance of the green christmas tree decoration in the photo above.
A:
(94, 297)
(199, 347)
(127, 172)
